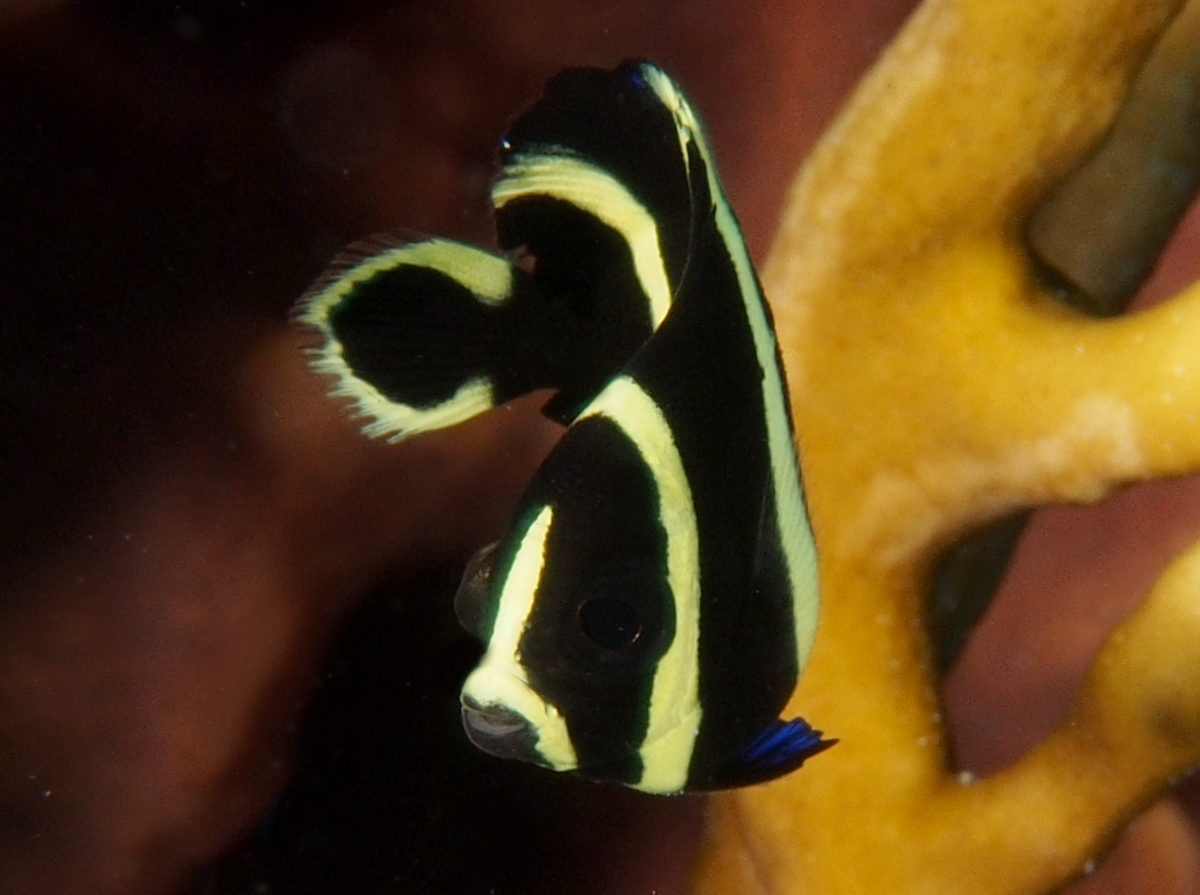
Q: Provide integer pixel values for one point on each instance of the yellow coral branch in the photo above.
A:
(1135, 726)
(935, 385)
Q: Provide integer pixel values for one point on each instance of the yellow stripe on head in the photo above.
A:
(500, 679)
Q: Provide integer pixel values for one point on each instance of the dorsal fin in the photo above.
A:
(631, 175)
(605, 212)
(596, 226)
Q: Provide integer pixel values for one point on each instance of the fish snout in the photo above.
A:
(500, 731)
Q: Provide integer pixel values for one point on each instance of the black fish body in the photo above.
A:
(654, 600)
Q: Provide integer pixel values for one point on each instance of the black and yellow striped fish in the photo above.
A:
(651, 606)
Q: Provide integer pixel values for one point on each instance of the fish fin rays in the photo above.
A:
(414, 334)
(782, 748)
(597, 237)
(618, 262)
(422, 336)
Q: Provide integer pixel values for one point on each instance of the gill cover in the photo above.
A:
(654, 600)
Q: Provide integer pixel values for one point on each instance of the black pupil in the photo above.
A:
(610, 623)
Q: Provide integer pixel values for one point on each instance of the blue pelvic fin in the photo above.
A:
(780, 749)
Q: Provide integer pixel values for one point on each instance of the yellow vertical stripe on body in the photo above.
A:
(500, 679)
(675, 708)
(799, 548)
(600, 194)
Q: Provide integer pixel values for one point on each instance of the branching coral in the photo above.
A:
(937, 384)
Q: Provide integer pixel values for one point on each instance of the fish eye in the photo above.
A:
(470, 600)
(610, 623)
(617, 622)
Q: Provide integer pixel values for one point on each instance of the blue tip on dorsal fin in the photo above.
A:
(780, 749)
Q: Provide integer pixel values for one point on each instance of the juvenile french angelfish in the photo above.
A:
(649, 610)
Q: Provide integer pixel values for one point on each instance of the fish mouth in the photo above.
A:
(504, 716)
(500, 731)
